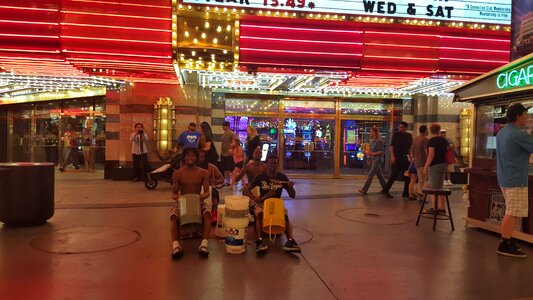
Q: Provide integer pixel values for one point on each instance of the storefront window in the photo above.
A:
(251, 106)
(308, 107)
(39, 131)
(47, 117)
(367, 109)
(267, 129)
(21, 138)
(490, 119)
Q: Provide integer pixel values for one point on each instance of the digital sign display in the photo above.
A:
(481, 11)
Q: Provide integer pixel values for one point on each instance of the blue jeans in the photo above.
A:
(375, 169)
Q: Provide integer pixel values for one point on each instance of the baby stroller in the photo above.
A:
(163, 173)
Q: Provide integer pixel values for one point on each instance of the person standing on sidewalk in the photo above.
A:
(226, 158)
(400, 148)
(376, 153)
(70, 149)
(436, 166)
(514, 147)
(188, 138)
(139, 152)
(420, 155)
(451, 167)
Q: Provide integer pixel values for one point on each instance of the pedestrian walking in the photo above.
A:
(400, 149)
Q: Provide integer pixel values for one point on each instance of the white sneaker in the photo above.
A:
(202, 250)
(177, 251)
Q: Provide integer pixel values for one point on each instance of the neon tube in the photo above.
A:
(115, 40)
(114, 15)
(28, 8)
(297, 41)
(116, 27)
(300, 28)
(125, 4)
(301, 52)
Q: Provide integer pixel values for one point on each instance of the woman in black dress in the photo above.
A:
(206, 143)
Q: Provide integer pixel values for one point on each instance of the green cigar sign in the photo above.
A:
(515, 78)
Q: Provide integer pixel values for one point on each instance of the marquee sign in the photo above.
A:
(481, 11)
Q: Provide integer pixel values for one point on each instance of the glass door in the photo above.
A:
(308, 137)
(356, 120)
(21, 137)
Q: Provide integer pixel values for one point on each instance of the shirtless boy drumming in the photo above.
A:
(189, 179)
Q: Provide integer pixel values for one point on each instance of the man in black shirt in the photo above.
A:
(400, 147)
(271, 184)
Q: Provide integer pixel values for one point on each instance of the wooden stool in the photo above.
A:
(435, 216)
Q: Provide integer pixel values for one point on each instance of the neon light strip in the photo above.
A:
(125, 4)
(401, 33)
(478, 60)
(114, 60)
(473, 38)
(116, 27)
(299, 28)
(296, 65)
(115, 40)
(301, 52)
(401, 58)
(117, 54)
(33, 58)
(296, 41)
(472, 49)
(28, 22)
(29, 35)
(28, 8)
(28, 50)
(397, 70)
(438, 36)
(384, 77)
(463, 72)
(436, 48)
(114, 15)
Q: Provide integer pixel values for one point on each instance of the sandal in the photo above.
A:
(177, 252)
(203, 251)
(362, 192)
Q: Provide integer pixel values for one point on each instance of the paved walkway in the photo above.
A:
(353, 247)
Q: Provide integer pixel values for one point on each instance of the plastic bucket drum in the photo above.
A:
(273, 216)
(235, 230)
(190, 209)
(190, 216)
(219, 231)
(236, 202)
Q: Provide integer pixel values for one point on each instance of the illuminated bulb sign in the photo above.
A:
(481, 11)
(515, 78)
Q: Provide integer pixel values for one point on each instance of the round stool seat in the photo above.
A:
(433, 191)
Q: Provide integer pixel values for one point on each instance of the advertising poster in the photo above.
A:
(522, 29)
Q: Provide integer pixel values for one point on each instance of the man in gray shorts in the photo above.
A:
(514, 147)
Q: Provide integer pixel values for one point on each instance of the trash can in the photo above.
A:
(26, 193)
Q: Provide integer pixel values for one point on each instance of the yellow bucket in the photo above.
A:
(273, 216)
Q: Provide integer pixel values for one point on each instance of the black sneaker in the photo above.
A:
(292, 247)
(511, 241)
(441, 211)
(386, 194)
(507, 249)
(260, 246)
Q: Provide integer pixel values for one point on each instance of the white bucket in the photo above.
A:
(236, 202)
(235, 230)
(219, 231)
